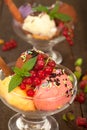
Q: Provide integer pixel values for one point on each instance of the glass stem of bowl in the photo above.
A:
(26, 122)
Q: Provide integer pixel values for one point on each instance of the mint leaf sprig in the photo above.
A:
(20, 73)
(41, 8)
(53, 13)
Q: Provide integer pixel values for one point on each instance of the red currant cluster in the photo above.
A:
(43, 67)
(82, 82)
(81, 96)
(9, 45)
(68, 33)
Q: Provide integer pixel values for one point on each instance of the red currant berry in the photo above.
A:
(4, 48)
(52, 63)
(23, 86)
(24, 80)
(40, 57)
(27, 81)
(48, 70)
(80, 121)
(61, 25)
(80, 97)
(83, 84)
(68, 38)
(82, 94)
(71, 42)
(30, 92)
(41, 74)
(9, 45)
(14, 44)
(33, 73)
(65, 32)
(36, 81)
(40, 64)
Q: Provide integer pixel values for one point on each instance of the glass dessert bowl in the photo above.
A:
(43, 45)
(35, 113)
(44, 26)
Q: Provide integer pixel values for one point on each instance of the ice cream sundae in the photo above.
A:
(37, 83)
(43, 22)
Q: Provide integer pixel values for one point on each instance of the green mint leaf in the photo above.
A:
(29, 64)
(62, 17)
(17, 70)
(53, 13)
(41, 8)
(21, 72)
(26, 74)
(54, 10)
(14, 82)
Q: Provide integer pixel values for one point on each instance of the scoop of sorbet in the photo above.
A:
(53, 93)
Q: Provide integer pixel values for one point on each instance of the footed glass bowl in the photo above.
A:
(43, 45)
(28, 117)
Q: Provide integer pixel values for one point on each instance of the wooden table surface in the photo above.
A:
(70, 54)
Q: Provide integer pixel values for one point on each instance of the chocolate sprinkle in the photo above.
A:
(65, 85)
(53, 75)
(57, 81)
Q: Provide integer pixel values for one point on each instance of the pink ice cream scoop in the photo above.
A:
(54, 92)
